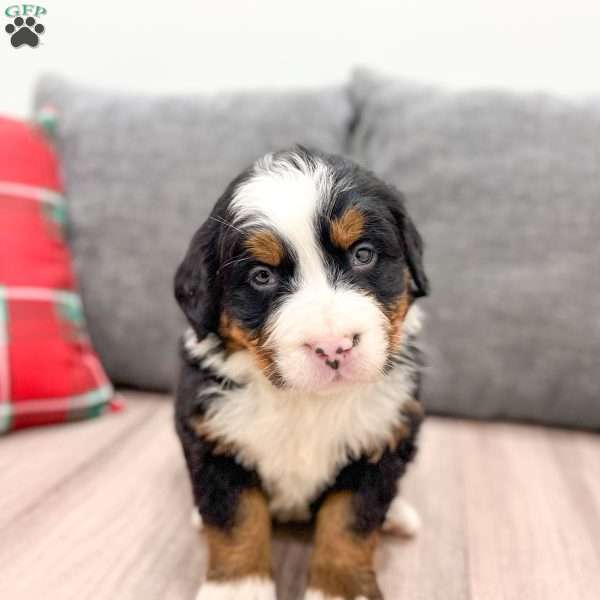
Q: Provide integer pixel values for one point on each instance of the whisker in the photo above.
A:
(224, 222)
(234, 261)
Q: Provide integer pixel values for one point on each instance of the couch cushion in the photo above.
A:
(141, 174)
(505, 190)
(48, 370)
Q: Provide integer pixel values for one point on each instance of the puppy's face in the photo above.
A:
(310, 263)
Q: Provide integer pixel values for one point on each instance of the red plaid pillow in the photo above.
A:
(48, 371)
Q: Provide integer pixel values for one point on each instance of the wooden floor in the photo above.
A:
(101, 510)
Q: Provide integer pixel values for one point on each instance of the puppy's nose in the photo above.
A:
(333, 350)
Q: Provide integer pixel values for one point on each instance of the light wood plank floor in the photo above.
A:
(100, 510)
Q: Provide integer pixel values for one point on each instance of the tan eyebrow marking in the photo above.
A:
(347, 229)
(265, 247)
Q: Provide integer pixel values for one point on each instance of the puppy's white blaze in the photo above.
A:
(248, 588)
(287, 198)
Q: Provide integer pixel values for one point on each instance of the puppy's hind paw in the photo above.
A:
(196, 519)
(402, 519)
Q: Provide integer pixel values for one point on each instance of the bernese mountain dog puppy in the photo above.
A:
(298, 396)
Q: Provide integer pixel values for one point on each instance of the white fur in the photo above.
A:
(318, 311)
(318, 595)
(402, 519)
(248, 588)
(298, 441)
(196, 519)
(287, 199)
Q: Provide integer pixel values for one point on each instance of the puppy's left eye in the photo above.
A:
(363, 256)
(262, 278)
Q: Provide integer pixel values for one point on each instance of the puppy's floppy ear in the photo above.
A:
(413, 247)
(196, 286)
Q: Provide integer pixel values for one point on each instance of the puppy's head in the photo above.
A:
(310, 263)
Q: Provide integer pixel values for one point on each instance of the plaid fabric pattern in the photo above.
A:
(49, 372)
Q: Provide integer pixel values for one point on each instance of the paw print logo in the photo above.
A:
(24, 31)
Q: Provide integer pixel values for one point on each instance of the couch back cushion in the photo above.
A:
(141, 174)
(506, 192)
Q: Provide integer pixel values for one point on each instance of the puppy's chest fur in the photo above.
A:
(298, 443)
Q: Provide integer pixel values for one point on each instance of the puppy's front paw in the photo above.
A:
(334, 582)
(317, 595)
(402, 519)
(246, 588)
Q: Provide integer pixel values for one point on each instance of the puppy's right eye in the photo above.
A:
(363, 257)
(262, 278)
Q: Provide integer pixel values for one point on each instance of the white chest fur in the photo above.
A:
(299, 443)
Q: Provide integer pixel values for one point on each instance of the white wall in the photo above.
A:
(200, 45)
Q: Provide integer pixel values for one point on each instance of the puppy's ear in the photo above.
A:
(196, 286)
(413, 247)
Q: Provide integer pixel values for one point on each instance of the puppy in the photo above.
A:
(298, 394)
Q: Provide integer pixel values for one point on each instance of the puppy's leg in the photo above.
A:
(239, 555)
(236, 523)
(352, 514)
(342, 563)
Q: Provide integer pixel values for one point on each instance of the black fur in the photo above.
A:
(374, 486)
(217, 480)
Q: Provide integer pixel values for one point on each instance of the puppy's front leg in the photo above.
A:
(342, 563)
(235, 518)
(239, 554)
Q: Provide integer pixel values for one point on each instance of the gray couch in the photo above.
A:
(505, 189)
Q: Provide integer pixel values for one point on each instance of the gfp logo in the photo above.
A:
(25, 29)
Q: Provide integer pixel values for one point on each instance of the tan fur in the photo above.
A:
(397, 313)
(245, 549)
(342, 561)
(346, 230)
(414, 409)
(237, 338)
(265, 247)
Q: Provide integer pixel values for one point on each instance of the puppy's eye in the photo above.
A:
(262, 278)
(363, 256)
